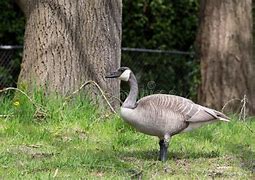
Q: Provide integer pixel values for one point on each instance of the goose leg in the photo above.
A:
(161, 150)
(163, 144)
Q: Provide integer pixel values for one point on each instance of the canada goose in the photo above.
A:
(162, 115)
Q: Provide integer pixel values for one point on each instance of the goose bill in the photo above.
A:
(114, 74)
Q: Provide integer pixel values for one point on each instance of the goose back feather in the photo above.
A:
(161, 114)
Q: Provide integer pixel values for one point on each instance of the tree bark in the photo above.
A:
(224, 45)
(69, 42)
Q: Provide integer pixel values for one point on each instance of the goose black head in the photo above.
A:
(123, 73)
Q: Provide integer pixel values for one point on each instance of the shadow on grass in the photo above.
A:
(153, 154)
(245, 154)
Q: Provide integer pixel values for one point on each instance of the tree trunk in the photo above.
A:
(69, 42)
(224, 44)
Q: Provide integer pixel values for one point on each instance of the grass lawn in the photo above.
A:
(80, 141)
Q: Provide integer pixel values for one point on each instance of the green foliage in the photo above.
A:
(166, 25)
(156, 73)
(79, 141)
(12, 23)
(160, 24)
(156, 24)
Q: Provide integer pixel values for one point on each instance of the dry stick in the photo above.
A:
(231, 100)
(242, 114)
(29, 98)
(5, 116)
(75, 92)
(114, 97)
(98, 87)
(22, 92)
(249, 128)
(55, 173)
(243, 109)
(139, 174)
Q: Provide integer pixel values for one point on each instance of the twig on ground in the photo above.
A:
(242, 115)
(5, 115)
(98, 87)
(243, 103)
(243, 111)
(114, 97)
(39, 109)
(249, 128)
(55, 173)
(137, 175)
(19, 90)
(231, 100)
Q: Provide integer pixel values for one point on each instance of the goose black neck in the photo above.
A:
(130, 101)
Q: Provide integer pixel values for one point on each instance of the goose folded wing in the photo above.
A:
(198, 113)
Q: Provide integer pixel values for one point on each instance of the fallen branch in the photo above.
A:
(41, 112)
(39, 109)
(243, 111)
(242, 115)
(249, 128)
(55, 173)
(137, 175)
(231, 100)
(98, 87)
(22, 92)
(6, 116)
(118, 99)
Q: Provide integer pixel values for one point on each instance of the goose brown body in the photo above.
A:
(162, 114)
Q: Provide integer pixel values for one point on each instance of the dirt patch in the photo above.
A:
(34, 151)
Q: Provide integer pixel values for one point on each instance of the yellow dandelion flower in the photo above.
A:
(16, 103)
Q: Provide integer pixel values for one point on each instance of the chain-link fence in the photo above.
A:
(10, 59)
(157, 71)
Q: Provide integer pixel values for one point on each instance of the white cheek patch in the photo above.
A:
(125, 75)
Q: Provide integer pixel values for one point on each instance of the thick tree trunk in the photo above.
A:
(225, 50)
(69, 42)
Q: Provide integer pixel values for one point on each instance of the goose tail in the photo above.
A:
(222, 117)
(217, 115)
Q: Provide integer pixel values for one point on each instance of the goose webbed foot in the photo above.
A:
(163, 143)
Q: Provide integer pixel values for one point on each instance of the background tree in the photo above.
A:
(70, 42)
(225, 50)
(164, 25)
(146, 24)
